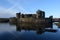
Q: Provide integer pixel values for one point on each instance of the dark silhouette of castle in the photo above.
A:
(40, 14)
(37, 20)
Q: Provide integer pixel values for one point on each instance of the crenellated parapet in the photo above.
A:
(39, 14)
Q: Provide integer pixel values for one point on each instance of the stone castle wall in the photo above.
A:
(39, 14)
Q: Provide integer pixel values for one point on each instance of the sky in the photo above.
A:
(9, 8)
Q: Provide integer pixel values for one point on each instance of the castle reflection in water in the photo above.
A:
(39, 30)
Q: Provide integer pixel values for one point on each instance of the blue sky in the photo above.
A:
(8, 8)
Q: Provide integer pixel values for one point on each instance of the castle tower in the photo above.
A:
(18, 15)
(40, 14)
(18, 21)
(22, 15)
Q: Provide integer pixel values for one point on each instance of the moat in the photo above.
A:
(9, 32)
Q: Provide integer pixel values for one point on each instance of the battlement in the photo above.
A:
(39, 14)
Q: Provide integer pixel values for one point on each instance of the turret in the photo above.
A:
(18, 15)
(40, 14)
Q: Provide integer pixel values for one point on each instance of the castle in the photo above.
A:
(37, 19)
(40, 14)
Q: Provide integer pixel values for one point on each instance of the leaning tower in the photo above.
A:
(18, 15)
(40, 14)
(18, 21)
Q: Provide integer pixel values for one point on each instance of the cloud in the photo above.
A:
(12, 10)
(6, 13)
(16, 5)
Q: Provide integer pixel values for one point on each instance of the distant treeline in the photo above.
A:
(4, 20)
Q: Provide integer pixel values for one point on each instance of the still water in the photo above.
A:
(8, 32)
